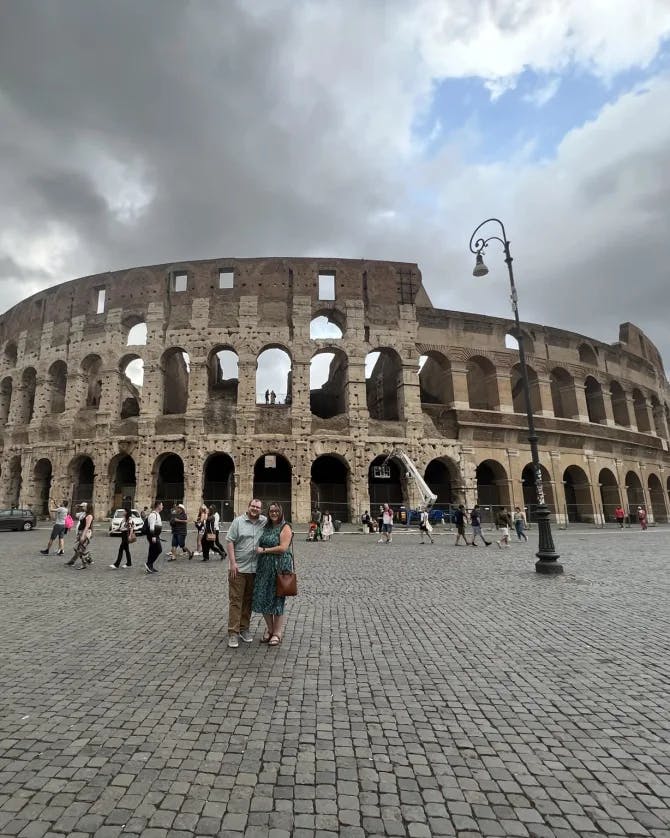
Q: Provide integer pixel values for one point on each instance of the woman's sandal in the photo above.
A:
(275, 640)
(267, 635)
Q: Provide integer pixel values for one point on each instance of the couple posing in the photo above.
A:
(258, 549)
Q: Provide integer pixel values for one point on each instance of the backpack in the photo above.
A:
(145, 527)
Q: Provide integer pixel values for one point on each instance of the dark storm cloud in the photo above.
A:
(136, 133)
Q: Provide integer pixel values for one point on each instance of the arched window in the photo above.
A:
(482, 384)
(28, 384)
(132, 380)
(641, 412)
(57, 386)
(274, 376)
(619, 405)
(5, 399)
(518, 398)
(10, 354)
(90, 367)
(587, 355)
(137, 335)
(563, 394)
(326, 326)
(328, 375)
(176, 367)
(383, 380)
(595, 403)
(435, 380)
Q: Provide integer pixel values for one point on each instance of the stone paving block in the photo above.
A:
(513, 703)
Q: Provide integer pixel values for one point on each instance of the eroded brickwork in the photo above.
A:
(444, 387)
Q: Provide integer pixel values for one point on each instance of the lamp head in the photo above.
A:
(480, 268)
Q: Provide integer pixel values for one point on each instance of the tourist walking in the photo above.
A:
(503, 522)
(58, 530)
(476, 524)
(368, 523)
(179, 525)
(210, 538)
(520, 523)
(217, 531)
(327, 528)
(275, 555)
(387, 525)
(425, 528)
(619, 515)
(460, 518)
(154, 527)
(642, 517)
(127, 527)
(242, 540)
(200, 520)
(84, 534)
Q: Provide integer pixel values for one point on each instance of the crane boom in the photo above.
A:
(428, 497)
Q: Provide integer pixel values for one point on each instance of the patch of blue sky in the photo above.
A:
(528, 120)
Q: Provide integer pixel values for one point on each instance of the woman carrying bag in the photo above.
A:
(210, 536)
(275, 557)
(127, 530)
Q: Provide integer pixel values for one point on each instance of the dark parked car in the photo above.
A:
(17, 519)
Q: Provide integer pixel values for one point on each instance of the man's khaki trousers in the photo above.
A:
(240, 591)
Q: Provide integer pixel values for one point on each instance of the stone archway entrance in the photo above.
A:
(578, 500)
(273, 481)
(330, 487)
(42, 476)
(218, 488)
(170, 482)
(384, 484)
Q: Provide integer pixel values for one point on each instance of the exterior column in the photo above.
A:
(410, 400)
(459, 377)
(630, 407)
(301, 415)
(544, 394)
(504, 390)
(246, 399)
(42, 400)
(660, 425)
(357, 404)
(198, 386)
(607, 402)
(582, 409)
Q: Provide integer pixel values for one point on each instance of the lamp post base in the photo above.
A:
(546, 552)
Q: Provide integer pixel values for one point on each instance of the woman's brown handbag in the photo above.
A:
(287, 582)
(132, 538)
(210, 536)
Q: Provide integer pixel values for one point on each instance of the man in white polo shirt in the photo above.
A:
(242, 540)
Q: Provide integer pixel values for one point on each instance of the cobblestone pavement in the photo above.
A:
(419, 690)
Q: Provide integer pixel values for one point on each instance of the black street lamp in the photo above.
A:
(546, 553)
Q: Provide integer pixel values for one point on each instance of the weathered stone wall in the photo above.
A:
(51, 418)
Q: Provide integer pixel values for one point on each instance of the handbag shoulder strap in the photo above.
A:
(290, 547)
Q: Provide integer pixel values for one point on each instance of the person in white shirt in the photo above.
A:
(155, 524)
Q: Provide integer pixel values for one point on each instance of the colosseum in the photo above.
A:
(147, 382)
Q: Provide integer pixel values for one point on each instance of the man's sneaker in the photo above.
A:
(114, 566)
(197, 553)
(233, 641)
(60, 552)
(247, 636)
(380, 541)
(147, 568)
(44, 552)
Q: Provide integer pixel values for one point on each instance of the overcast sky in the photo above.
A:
(143, 131)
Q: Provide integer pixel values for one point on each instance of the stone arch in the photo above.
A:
(274, 374)
(28, 387)
(578, 500)
(175, 365)
(610, 496)
(641, 412)
(595, 402)
(5, 399)
(384, 484)
(383, 384)
(273, 481)
(218, 484)
(15, 481)
(619, 405)
(443, 478)
(10, 354)
(137, 331)
(587, 355)
(123, 481)
(90, 368)
(657, 499)
(492, 485)
(81, 476)
(329, 486)
(482, 384)
(328, 324)
(634, 494)
(529, 490)
(563, 394)
(328, 378)
(42, 477)
(518, 398)
(57, 383)
(169, 480)
(436, 384)
(512, 340)
(131, 368)
(222, 389)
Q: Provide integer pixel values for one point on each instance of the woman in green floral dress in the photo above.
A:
(274, 555)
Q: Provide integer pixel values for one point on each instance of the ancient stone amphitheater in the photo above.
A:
(142, 383)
